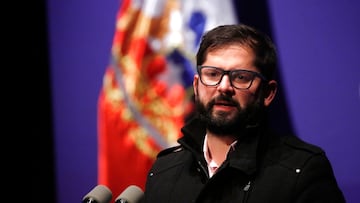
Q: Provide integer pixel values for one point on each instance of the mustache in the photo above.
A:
(223, 99)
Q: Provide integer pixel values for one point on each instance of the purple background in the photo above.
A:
(318, 44)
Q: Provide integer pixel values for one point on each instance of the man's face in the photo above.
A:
(225, 108)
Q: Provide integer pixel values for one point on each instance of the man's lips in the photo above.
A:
(223, 105)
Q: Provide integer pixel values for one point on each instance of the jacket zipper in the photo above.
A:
(246, 190)
(203, 169)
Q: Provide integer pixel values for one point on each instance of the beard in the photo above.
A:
(234, 123)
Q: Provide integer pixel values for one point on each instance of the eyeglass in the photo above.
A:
(240, 79)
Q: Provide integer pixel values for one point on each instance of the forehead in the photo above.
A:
(234, 56)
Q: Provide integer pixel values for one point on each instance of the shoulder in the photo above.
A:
(300, 145)
(170, 150)
(293, 152)
(171, 158)
(304, 165)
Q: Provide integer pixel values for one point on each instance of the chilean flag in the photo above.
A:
(146, 93)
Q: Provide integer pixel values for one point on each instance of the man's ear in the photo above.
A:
(270, 92)
(195, 83)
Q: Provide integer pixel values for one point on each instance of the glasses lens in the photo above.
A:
(242, 79)
(210, 75)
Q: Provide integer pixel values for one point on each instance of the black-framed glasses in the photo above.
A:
(240, 79)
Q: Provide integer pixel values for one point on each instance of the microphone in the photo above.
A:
(99, 194)
(132, 194)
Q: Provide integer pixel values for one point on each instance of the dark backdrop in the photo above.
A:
(69, 44)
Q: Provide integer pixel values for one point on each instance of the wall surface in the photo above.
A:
(318, 43)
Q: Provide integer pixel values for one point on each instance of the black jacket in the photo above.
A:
(263, 168)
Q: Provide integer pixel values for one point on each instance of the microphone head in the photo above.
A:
(132, 194)
(100, 194)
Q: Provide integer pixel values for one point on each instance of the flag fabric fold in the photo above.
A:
(146, 93)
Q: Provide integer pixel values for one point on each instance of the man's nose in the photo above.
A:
(225, 84)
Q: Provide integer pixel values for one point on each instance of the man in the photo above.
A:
(227, 153)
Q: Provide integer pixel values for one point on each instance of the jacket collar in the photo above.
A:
(243, 158)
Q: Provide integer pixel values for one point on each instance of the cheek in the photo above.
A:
(201, 93)
(253, 94)
(204, 94)
(245, 98)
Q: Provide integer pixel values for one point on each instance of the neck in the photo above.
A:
(219, 146)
